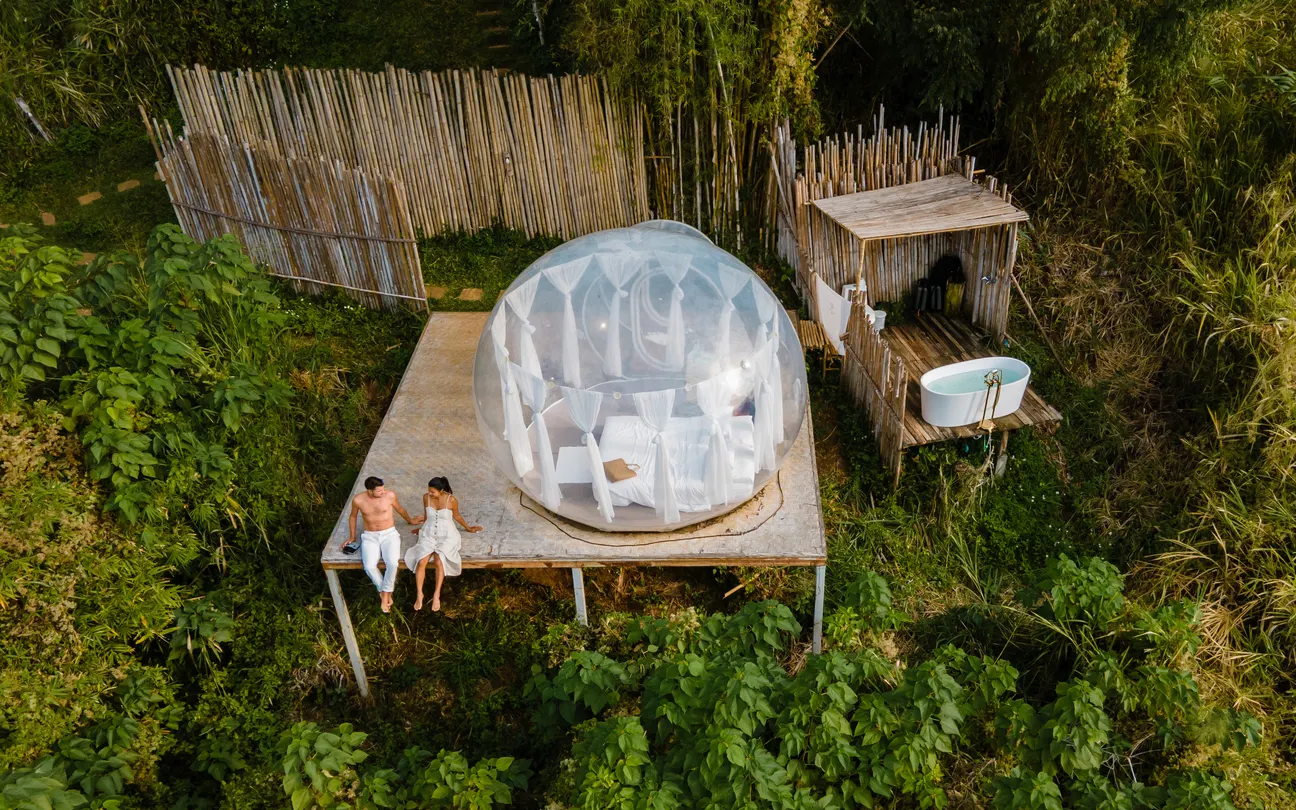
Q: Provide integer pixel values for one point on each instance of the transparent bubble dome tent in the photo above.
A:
(639, 379)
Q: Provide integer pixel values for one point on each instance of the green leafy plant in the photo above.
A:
(319, 766)
(41, 787)
(200, 629)
(1070, 592)
(585, 685)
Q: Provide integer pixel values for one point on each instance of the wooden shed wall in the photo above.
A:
(891, 267)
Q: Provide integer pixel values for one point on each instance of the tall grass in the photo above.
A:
(1179, 290)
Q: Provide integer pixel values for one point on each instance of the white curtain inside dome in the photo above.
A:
(619, 268)
(583, 407)
(565, 277)
(764, 364)
(767, 308)
(676, 267)
(514, 425)
(654, 408)
(714, 397)
(533, 391)
(733, 280)
(521, 300)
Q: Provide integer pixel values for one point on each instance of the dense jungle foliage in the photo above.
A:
(1110, 624)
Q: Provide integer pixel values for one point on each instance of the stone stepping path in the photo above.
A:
(90, 197)
(435, 293)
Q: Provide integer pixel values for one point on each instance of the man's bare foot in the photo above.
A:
(418, 603)
(436, 603)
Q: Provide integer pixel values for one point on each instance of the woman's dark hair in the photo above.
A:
(442, 483)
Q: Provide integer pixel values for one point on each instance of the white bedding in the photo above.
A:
(629, 438)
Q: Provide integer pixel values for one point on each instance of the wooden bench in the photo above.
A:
(812, 336)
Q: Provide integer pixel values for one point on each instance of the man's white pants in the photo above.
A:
(385, 544)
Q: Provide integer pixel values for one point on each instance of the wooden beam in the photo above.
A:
(578, 585)
(348, 631)
(816, 636)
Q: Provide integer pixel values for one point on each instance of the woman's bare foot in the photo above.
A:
(418, 603)
(436, 603)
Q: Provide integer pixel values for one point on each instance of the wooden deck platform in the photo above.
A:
(430, 429)
(935, 340)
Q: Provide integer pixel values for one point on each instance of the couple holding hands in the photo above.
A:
(438, 539)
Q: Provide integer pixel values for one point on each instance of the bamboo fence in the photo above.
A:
(316, 222)
(469, 149)
(849, 163)
(877, 380)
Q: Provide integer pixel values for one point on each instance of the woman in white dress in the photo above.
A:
(438, 539)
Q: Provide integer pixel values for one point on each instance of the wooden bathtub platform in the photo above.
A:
(935, 340)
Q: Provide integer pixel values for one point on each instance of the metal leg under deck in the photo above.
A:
(578, 585)
(348, 631)
(816, 639)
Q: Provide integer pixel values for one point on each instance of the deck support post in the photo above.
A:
(348, 631)
(816, 637)
(578, 585)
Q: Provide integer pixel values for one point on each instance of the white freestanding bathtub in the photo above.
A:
(955, 395)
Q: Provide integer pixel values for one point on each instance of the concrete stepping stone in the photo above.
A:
(127, 185)
(86, 199)
(470, 294)
(435, 293)
(47, 218)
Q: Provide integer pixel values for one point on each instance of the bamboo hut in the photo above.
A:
(886, 241)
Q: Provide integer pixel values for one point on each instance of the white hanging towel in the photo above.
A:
(833, 312)
(583, 407)
(514, 426)
(676, 267)
(533, 391)
(619, 269)
(733, 280)
(715, 398)
(654, 408)
(521, 301)
(565, 277)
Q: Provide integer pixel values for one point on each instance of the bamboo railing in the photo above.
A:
(876, 379)
(318, 223)
(469, 149)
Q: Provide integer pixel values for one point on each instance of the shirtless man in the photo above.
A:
(380, 538)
